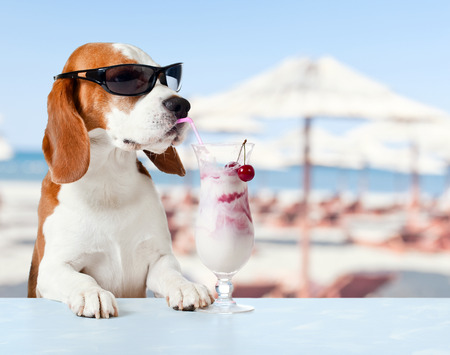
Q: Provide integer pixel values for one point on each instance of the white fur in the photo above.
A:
(115, 232)
(108, 236)
(148, 122)
(135, 53)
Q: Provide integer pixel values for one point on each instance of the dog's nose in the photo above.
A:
(179, 106)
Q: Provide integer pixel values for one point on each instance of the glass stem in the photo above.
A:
(224, 289)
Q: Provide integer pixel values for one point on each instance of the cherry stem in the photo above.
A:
(240, 151)
(244, 151)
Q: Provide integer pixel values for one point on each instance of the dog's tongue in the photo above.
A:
(191, 122)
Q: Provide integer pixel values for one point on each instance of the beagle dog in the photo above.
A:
(102, 231)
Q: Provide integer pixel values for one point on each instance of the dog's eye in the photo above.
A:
(127, 80)
(123, 75)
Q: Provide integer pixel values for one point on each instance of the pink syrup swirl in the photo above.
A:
(191, 122)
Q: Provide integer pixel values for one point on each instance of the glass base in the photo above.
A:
(226, 308)
(224, 303)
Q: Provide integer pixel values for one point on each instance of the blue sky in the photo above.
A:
(403, 44)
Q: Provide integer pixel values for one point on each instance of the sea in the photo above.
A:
(31, 166)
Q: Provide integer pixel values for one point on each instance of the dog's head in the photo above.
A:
(143, 122)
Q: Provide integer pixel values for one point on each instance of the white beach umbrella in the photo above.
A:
(425, 141)
(435, 140)
(6, 151)
(327, 149)
(429, 138)
(300, 87)
(303, 88)
(352, 150)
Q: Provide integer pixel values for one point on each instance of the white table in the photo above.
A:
(277, 326)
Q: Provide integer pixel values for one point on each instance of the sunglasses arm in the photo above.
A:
(94, 75)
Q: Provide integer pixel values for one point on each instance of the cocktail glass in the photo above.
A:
(224, 231)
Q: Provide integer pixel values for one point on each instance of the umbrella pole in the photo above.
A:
(414, 205)
(415, 176)
(304, 220)
(363, 183)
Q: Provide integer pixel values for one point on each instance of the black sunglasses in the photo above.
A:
(130, 79)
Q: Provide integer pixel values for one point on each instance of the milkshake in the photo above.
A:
(224, 230)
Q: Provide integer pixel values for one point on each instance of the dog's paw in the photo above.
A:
(94, 302)
(189, 296)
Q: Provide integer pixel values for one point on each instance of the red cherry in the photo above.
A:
(246, 172)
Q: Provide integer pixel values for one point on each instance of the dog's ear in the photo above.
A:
(168, 162)
(66, 140)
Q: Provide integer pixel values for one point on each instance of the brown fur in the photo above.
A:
(47, 204)
(66, 140)
(168, 162)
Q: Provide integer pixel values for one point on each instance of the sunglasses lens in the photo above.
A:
(128, 79)
(173, 77)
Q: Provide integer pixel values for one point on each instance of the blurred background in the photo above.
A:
(349, 106)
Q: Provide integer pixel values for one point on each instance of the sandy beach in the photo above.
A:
(343, 253)
(18, 228)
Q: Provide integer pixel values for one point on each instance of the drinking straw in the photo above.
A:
(191, 122)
